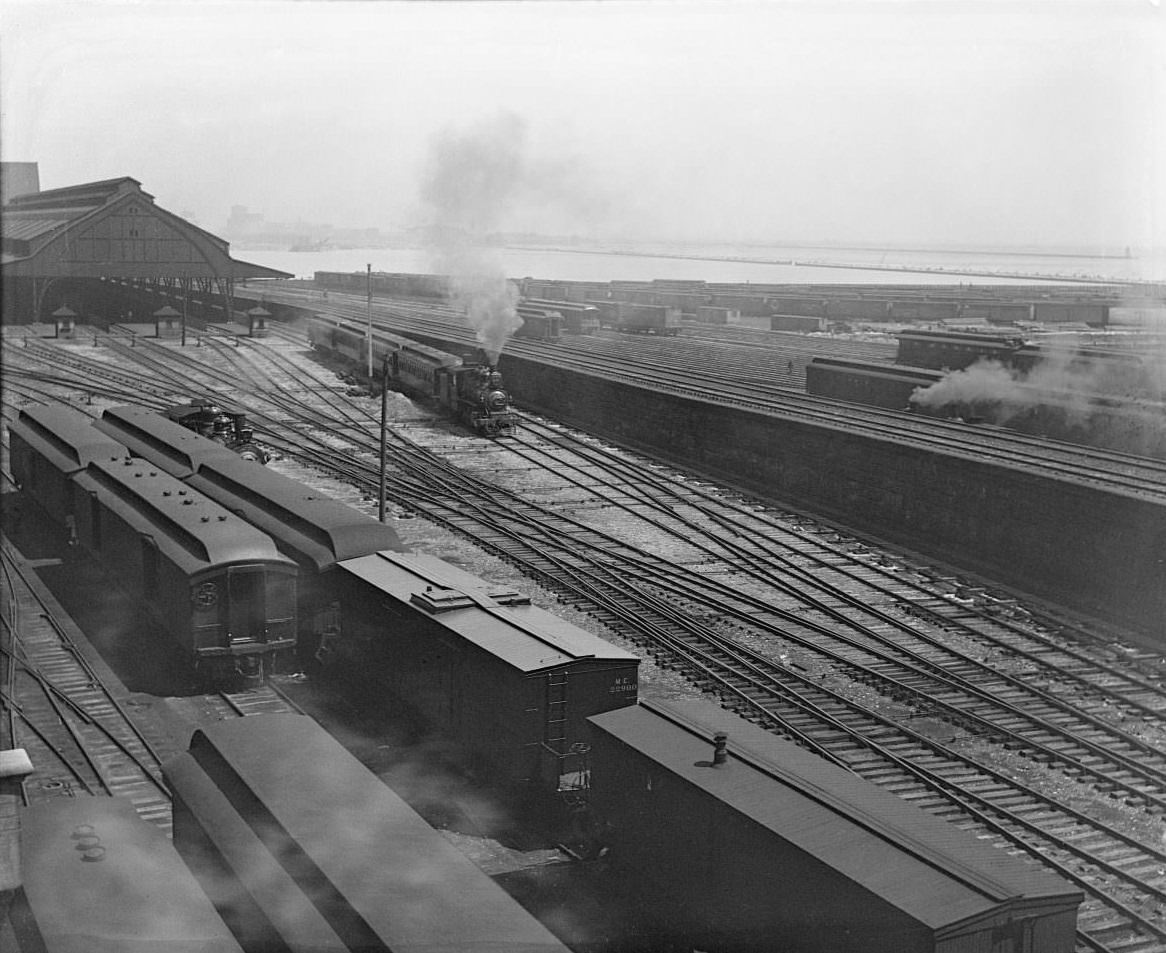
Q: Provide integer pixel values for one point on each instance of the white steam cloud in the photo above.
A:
(1117, 404)
(474, 177)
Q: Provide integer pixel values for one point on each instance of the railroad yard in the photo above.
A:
(1034, 725)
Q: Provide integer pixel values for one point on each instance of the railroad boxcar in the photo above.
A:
(301, 847)
(206, 417)
(880, 385)
(216, 584)
(647, 319)
(762, 845)
(48, 447)
(577, 318)
(313, 530)
(539, 323)
(510, 684)
(995, 312)
(1054, 312)
(953, 350)
(99, 879)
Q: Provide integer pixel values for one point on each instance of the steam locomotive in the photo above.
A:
(205, 417)
(473, 392)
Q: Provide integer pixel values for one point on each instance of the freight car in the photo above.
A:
(388, 284)
(99, 879)
(301, 847)
(762, 845)
(879, 385)
(217, 585)
(577, 318)
(472, 392)
(511, 684)
(314, 531)
(953, 350)
(539, 323)
(959, 350)
(204, 416)
(638, 318)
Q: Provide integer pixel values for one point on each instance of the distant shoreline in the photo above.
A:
(908, 269)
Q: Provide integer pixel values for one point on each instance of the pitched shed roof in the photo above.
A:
(496, 619)
(111, 228)
(936, 873)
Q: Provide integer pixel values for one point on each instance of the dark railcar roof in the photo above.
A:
(306, 525)
(309, 527)
(496, 619)
(66, 437)
(934, 872)
(138, 898)
(169, 445)
(411, 886)
(183, 523)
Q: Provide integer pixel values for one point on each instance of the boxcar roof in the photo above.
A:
(936, 873)
(150, 499)
(169, 445)
(66, 437)
(304, 523)
(496, 619)
(412, 886)
(140, 896)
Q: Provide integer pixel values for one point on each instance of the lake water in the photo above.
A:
(730, 264)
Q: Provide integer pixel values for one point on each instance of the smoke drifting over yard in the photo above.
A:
(473, 178)
(480, 180)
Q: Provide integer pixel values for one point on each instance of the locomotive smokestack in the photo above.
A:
(720, 748)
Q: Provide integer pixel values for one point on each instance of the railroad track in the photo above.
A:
(650, 599)
(79, 735)
(636, 360)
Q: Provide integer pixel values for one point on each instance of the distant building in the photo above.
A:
(18, 178)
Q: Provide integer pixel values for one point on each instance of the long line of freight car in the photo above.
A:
(1004, 306)
(530, 687)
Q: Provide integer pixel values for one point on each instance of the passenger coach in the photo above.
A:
(217, 584)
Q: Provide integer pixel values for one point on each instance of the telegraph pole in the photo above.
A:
(369, 334)
(384, 433)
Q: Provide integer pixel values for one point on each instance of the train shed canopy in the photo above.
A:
(111, 229)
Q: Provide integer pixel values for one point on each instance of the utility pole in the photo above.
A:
(369, 334)
(384, 434)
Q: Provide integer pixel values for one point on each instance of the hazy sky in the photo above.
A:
(861, 120)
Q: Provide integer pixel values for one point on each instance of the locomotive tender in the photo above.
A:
(471, 392)
(216, 584)
(204, 416)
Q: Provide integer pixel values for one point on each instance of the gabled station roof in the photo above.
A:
(111, 229)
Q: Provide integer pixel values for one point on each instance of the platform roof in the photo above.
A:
(111, 229)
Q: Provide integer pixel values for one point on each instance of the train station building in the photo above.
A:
(72, 251)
